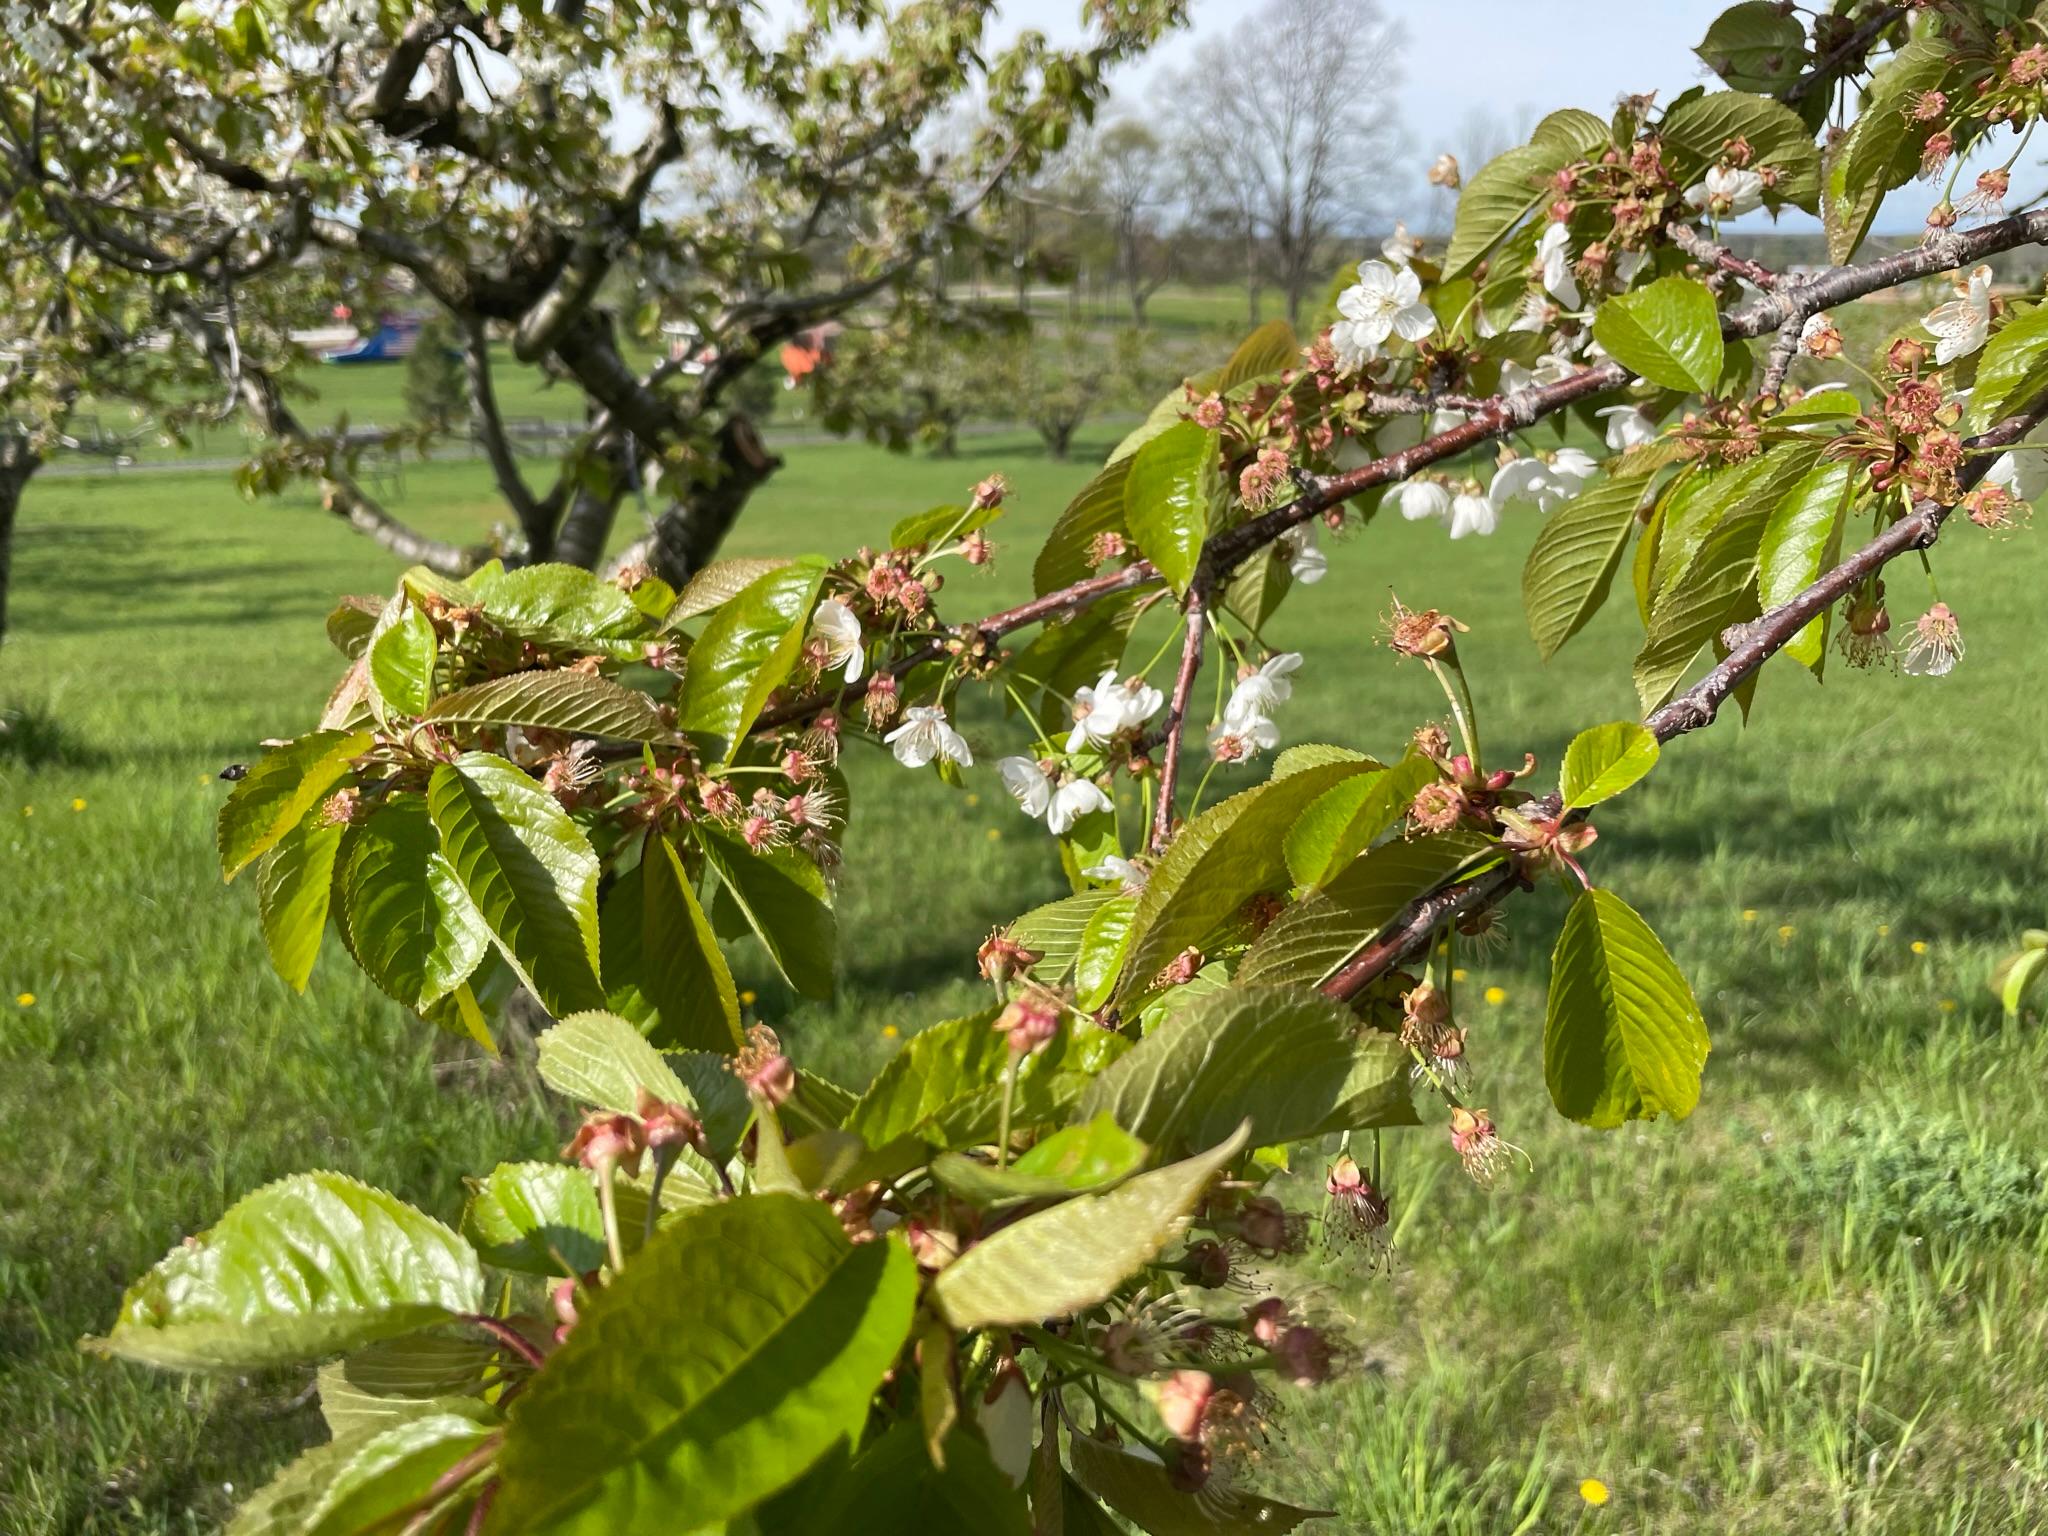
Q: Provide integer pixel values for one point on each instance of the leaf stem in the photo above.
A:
(608, 1203)
(1003, 1124)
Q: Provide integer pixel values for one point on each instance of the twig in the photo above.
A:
(1707, 253)
(1854, 46)
(1177, 716)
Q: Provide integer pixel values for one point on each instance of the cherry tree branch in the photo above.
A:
(1750, 646)
(1177, 716)
(1707, 253)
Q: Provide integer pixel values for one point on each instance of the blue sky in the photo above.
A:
(1507, 57)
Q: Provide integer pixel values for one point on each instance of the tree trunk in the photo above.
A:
(588, 526)
(1059, 440)
(18, 462)
(688, 534)
(1251, 270)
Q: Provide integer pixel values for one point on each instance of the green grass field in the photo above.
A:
(1818, 1304)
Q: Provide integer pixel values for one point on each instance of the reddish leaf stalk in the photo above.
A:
(1177, 716)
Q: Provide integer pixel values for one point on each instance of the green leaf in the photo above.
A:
(1602, 762)
(308, 1266)
(1284, 1059)
(1143, 1492)
(1755, 46)
(2017, 976)
(562, 606)
(1802, 539)
(1102, 951)
(718, 584)
(401, 658)
(896, 1485)
(683, 972)
(1231, 852)
(558, 700)
(541, 1218)
(1315, 935)
(786, 903)
(1075, 651)
(746, 652)
(922, 528)
(292, 886)
(1696, 132)
(683, 1391)
(1574, 558)
(405, 916)
(1077, 1160)
(1097, 509)
(1510, 185)
(1267, 350)
(1054, 930)
(1623, 1038)
(1669, 332)
(360, 1480)
(1059, 1261)
(1343, 821)
(2014, 368)
(393, 1380)
(277, 792)
(1882, 148)
(601, 1060)
(352, 622)
(1166, 500)
(530, 871)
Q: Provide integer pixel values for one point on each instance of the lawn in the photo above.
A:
(1815, 1304)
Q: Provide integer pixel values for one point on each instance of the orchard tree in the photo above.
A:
(1031, 1269)
(517, 161)
(1127, 171)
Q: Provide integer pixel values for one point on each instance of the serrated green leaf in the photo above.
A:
(530, 871)
(1101, 955)
(1755, 46)
(279, 789)
(293, 882)
(746, 652)
(682, 1391)
(786, 902)
(1342, 822)
(896, 1485)
(718, 584)
(1166, 500)
(1143, 1491)
(922, 528)
(1061, 1260)
(683, 972)
(1098, 508)
(1231, 852)
(1623, 1038)
(401, 658)
(393, 1380)
(1077, 1160)
(562, 606)
(600, 1059)
(541, 1218)
(2014, 368)
(405, 916)
(1882, 148)
(1510, 185)
(1574, 558)
(1668, 332)
(1315, 935)
(1802, 539)
(1054, 931)
(1600, 763)
(1267, 350)
(305, 1267)
(1284, 1059)
(557, 700)
(2017, 977)
(1695, 134)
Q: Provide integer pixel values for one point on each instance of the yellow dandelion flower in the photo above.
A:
(206, 778)
(1948, 1005)
(1749, 914)
(1919, 946)
(1884, 930)
(1785, 932)
(28, 810)
(889, 1031)
(26, 1000)
(1458, 973)
(1593, 1491)
(78, 804)
(972, 801)
(1496, 995)
(995, 834)
(747, 998)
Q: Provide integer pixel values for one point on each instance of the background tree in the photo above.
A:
(1127, 167)
(512, 162)
(1060, 377)
(1294, 106)
(435, 391)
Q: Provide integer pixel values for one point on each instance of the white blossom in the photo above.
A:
(1627, 427)
(1471, 513)
(1237, 741)
(1554, 261)
(1306, 562)
(1119, 869)
(1964, 322)
(1550, 481)
(1109, 707)
(1627, 264)
(835, 626)
(924, 735)
(1383, 302)
(1727, 191)
(1263, 691)
(1419, 499)
(1073, 800)
(1027, 784)
(1400, 247)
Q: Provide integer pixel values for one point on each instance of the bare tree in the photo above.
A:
(1297, 99)
(1127, 167)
